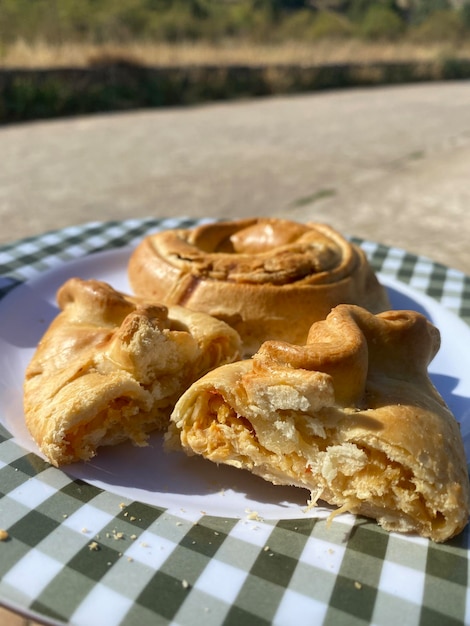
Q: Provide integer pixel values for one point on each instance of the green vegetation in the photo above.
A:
(105, 21)
(68, 57)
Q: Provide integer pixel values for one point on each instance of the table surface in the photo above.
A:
(388, 165)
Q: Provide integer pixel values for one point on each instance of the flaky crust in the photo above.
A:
(111, 367)
(352, 416)
(268, 278)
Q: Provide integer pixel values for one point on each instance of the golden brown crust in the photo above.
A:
(266, 277)
(352, 416)
(111, 367)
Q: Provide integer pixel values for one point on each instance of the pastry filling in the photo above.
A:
(122, 420)
(348, 474)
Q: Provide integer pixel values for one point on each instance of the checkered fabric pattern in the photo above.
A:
(82, 556)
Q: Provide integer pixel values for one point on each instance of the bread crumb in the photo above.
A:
(185, 584)
(357, 585)
(4, 535)
(132, 518)
(253, 515)
(84, 530)
(266, 548)
(93, 546)
(133, 537)
(122, 505)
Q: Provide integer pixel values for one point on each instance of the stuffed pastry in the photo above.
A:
(352, 416)
(110, 368)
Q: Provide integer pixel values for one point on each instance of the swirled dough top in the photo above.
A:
(261, 250)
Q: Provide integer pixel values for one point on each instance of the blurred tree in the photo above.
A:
(329, 5)
(294, 5)
(108, 20)
(298, 25)
(358, 9)
(420, 10)
(440, 26)
(331, 25)
(464, 14)
(381, 23)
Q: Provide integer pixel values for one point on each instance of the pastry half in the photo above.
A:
(351, 416)
(268, 278)
(111, 367)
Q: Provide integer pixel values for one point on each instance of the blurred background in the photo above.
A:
(49, 33)
(354, 112)
(259, 47)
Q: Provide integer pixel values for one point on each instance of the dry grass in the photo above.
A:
(43, 55)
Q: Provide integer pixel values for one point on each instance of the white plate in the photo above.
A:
(174, 481)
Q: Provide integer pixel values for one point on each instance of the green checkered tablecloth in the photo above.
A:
(80, 555)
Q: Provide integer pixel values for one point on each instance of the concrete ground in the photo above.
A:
(389, 164)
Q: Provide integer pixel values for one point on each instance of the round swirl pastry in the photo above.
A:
(268, 278)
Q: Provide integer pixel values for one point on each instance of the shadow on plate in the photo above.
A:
(25, 316)
(403, 302)
(154, 470)
(7, 284)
